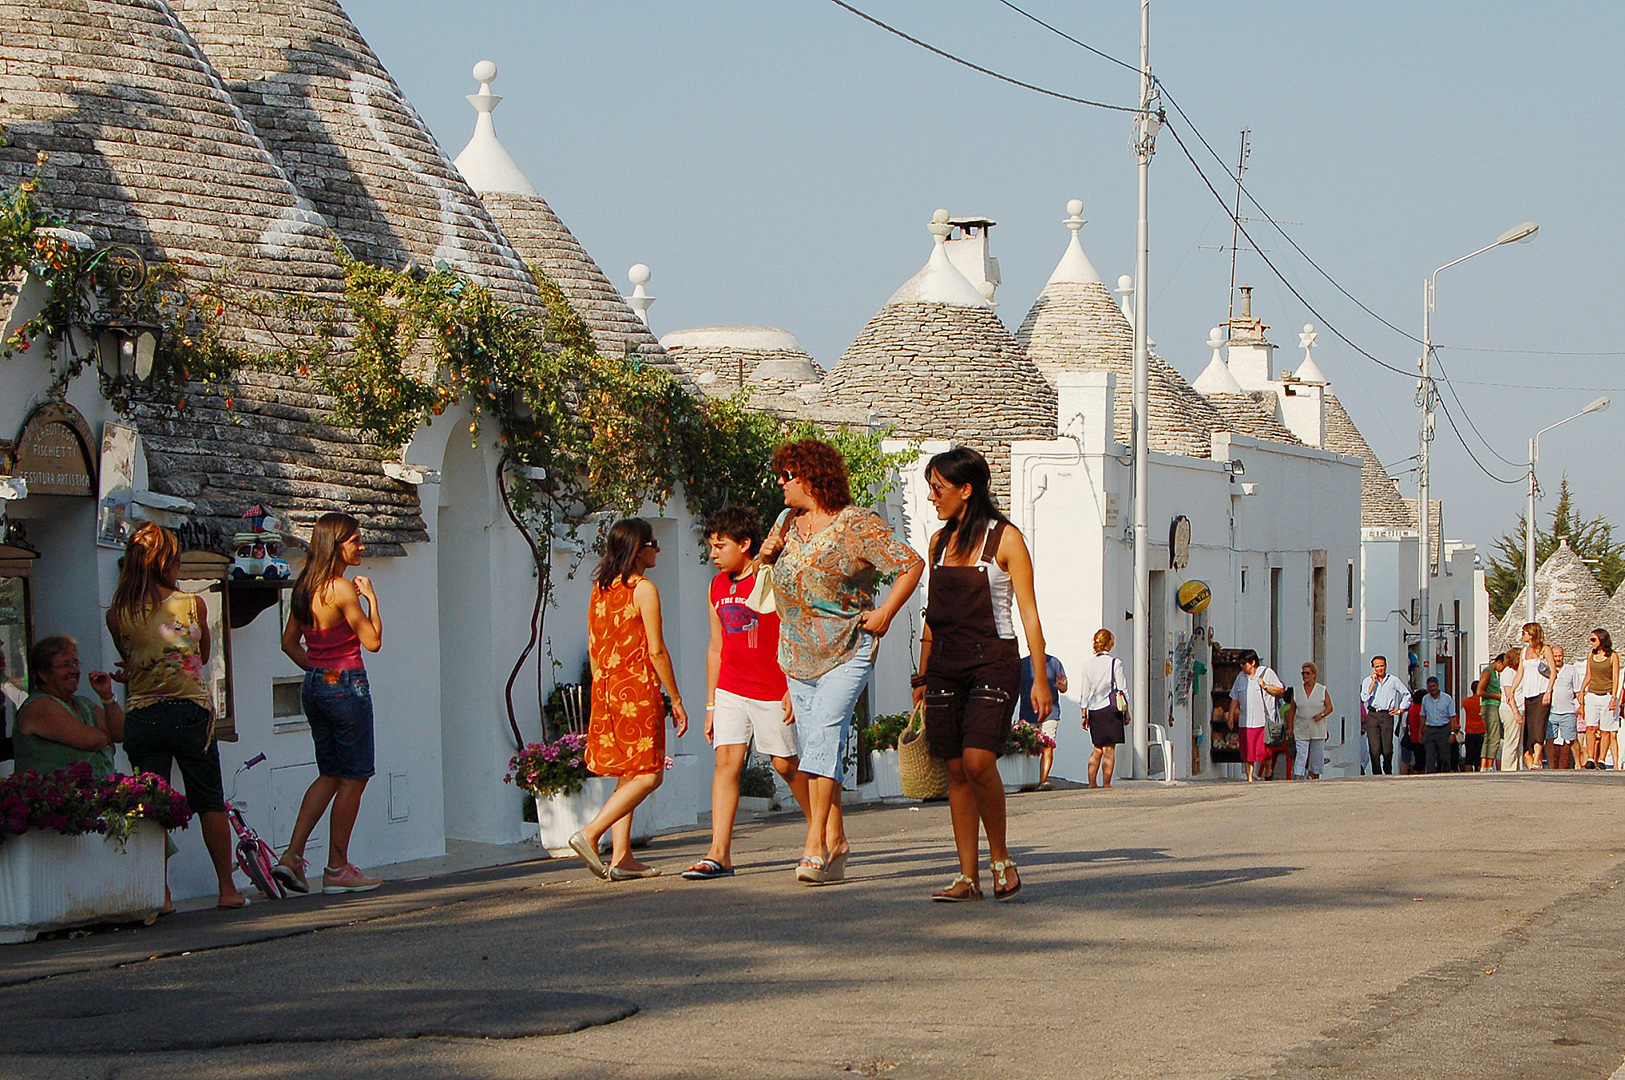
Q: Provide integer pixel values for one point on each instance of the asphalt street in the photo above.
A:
(1452, 926)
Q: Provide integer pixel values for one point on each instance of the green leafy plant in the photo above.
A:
(882, 732)
(756, 780)
(1025, 738)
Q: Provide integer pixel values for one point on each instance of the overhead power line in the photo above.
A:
(1057, 30)
(927, 46)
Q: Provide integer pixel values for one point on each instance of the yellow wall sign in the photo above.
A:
(55, 452)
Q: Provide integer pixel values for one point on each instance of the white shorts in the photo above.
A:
(738, 719)
(1050, 727)
(1599, 715)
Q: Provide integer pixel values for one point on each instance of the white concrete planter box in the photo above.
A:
(1018, 771)
(558, 817)
(888, 781)
(755, 804)
(49, 881)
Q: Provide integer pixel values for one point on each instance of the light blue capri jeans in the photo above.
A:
(824, 709)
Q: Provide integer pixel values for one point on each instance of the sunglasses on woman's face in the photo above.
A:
(652, 544)
(785, 476)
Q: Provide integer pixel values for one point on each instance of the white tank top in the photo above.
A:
(998, 583)
(1534, 683)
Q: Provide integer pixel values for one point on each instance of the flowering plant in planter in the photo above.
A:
(1025, 738)
(551, 768)
(74, 801)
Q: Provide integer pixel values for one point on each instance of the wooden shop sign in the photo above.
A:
(55, 452)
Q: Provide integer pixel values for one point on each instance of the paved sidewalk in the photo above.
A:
(1455, 926)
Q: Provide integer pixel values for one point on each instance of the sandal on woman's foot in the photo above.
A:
(810, 870)
(835, 868)
(953, 894)
(1003, 871)
(706, 869)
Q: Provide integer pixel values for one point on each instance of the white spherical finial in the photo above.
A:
(939, 216)
(1125, 284)
(987, 289)
(1215, 338)
(1074, 207)
(639, 274)
(485, 71)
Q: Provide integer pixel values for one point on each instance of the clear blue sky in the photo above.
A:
(776, 162)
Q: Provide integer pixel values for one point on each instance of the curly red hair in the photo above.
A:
(821, 468)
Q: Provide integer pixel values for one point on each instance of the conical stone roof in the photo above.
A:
(147, 149)
(724, 359)
(944, 368)
(1568, 604)
(1612, 617)
(1253, 414)
(544, 241)
(1381, 505)
(1075, 326)
(317, 95)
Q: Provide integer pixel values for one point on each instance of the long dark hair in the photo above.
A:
(1604, 642)
(152, 558)
(323, 562)
(626, 538)
(966, 532)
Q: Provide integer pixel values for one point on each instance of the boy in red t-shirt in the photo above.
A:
(746, 695)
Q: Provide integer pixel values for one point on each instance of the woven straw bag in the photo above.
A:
(923, 776)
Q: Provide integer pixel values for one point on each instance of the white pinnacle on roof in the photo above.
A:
(1075, 266)
(1216, 377)
(484, 162)
(639, 274)
(939, 281)
(1309, 371)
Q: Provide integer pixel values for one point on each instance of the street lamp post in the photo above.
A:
(1529, 511)
(1426, 393)
(1146, 124)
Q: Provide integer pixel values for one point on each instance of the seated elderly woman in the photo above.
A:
(57, 727)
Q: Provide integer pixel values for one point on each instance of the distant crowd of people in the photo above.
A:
(1530, 708)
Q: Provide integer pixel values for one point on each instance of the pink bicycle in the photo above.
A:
(254, 856)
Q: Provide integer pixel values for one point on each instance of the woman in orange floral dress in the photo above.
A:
(626, 738)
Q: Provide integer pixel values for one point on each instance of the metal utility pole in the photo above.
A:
(1426, 395)
(1534, 489)
(1146, 124)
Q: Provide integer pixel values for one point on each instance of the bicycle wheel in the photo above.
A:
(255, 861)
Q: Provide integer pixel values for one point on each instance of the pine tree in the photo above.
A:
(1591, 538)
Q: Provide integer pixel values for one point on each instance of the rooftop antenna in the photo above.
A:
(1235, 218)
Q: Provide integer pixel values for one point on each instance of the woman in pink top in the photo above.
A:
(326, 631)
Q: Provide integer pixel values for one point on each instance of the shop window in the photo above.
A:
(16, 636)
(204, 573)
(287, 710)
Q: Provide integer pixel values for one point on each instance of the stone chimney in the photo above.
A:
(1303, 394)
(967, 250)
(1251, 356)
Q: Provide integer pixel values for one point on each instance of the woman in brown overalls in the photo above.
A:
(970, 668)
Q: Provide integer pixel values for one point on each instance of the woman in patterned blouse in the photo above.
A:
(828, 556)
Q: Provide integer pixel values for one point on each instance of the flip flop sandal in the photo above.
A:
(706, 869)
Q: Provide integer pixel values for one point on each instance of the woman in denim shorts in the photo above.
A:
(826, 555)
(327, 629)
(970, 667)
(163, 636)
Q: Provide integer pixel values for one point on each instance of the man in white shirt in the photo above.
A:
(1568, 698)
(1384, 700)
(1439, 723)
(1253, 699)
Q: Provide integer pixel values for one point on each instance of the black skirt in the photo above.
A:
(1106, 727)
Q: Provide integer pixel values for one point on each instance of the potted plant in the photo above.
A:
(76, 849)
(756, 789)
(567, 795)
(878, 740)
(1018, 763)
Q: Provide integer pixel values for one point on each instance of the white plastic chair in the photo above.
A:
(1157, 737)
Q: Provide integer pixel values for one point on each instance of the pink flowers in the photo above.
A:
(74, 800)
(550, 768)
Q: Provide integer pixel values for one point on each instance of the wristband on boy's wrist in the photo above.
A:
(917, 681)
